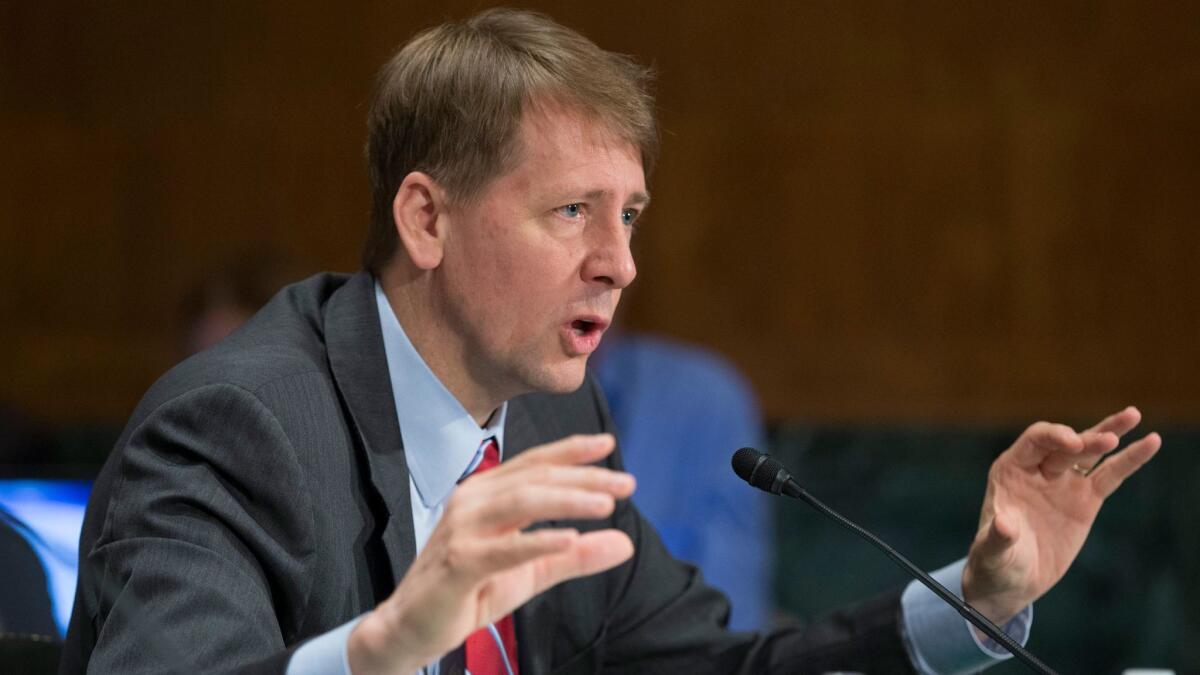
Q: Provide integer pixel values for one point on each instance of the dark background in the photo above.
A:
(902, 215)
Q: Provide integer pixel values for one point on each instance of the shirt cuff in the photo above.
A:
(940, 641)
(325, 654)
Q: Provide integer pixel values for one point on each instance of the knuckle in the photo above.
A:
(458, 556)
(524, 501)
(1041, 426)
(590, 478)
(514, 501)
(605, 505)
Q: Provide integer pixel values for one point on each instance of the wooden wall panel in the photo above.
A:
(977, 212)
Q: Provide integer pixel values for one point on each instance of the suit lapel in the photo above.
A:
(359, 364)
(520, 433)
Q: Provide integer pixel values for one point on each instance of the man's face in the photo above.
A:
(534, 267)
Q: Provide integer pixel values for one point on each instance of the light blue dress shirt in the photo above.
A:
(442, 443)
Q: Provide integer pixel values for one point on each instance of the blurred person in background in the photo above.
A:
(680, 411)
(228, 295)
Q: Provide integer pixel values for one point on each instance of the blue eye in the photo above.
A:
(628, 216)
(571, 210)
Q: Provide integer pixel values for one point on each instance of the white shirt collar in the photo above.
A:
(442, 442)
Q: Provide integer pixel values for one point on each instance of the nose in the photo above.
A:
(609, 260)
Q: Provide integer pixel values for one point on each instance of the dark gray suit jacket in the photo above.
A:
(260, 496)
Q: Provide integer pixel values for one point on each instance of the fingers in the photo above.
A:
(585, 554)
(471, 559)
(1041, 440)
(525, 491)
(1115, 425)
(485, 515)
(527, 504)
(1119, 423)
(577, 449)
(1095, 445)
(1056, 448)
(1109, 475)
(593, 552)
(592, 478)
(1100, 440)
(478, 561)
(556, 555)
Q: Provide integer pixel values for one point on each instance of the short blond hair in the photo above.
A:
(450, 102)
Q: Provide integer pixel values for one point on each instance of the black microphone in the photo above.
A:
(766, 473)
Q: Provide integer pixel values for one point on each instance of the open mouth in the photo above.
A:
(584, 326)
(581, 336)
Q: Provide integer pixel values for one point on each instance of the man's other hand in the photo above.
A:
(1042, 497)
(480, 564)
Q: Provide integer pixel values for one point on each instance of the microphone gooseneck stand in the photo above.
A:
(768, 474)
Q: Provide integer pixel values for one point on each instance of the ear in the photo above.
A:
(417, 213)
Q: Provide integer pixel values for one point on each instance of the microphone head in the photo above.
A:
(761, 471)
(744, 461)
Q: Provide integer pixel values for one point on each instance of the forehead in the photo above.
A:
(549, 119)
(564, 141)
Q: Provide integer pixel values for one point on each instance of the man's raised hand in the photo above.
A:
(1042, 497)
(480, 564)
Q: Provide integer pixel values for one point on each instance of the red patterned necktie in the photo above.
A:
(482, 652)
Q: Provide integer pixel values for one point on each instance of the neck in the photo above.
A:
(417, 309)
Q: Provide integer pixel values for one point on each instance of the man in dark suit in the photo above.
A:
(319, 491)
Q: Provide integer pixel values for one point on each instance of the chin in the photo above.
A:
(561, 379)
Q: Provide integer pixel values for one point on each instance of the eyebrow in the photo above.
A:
(639, 198)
